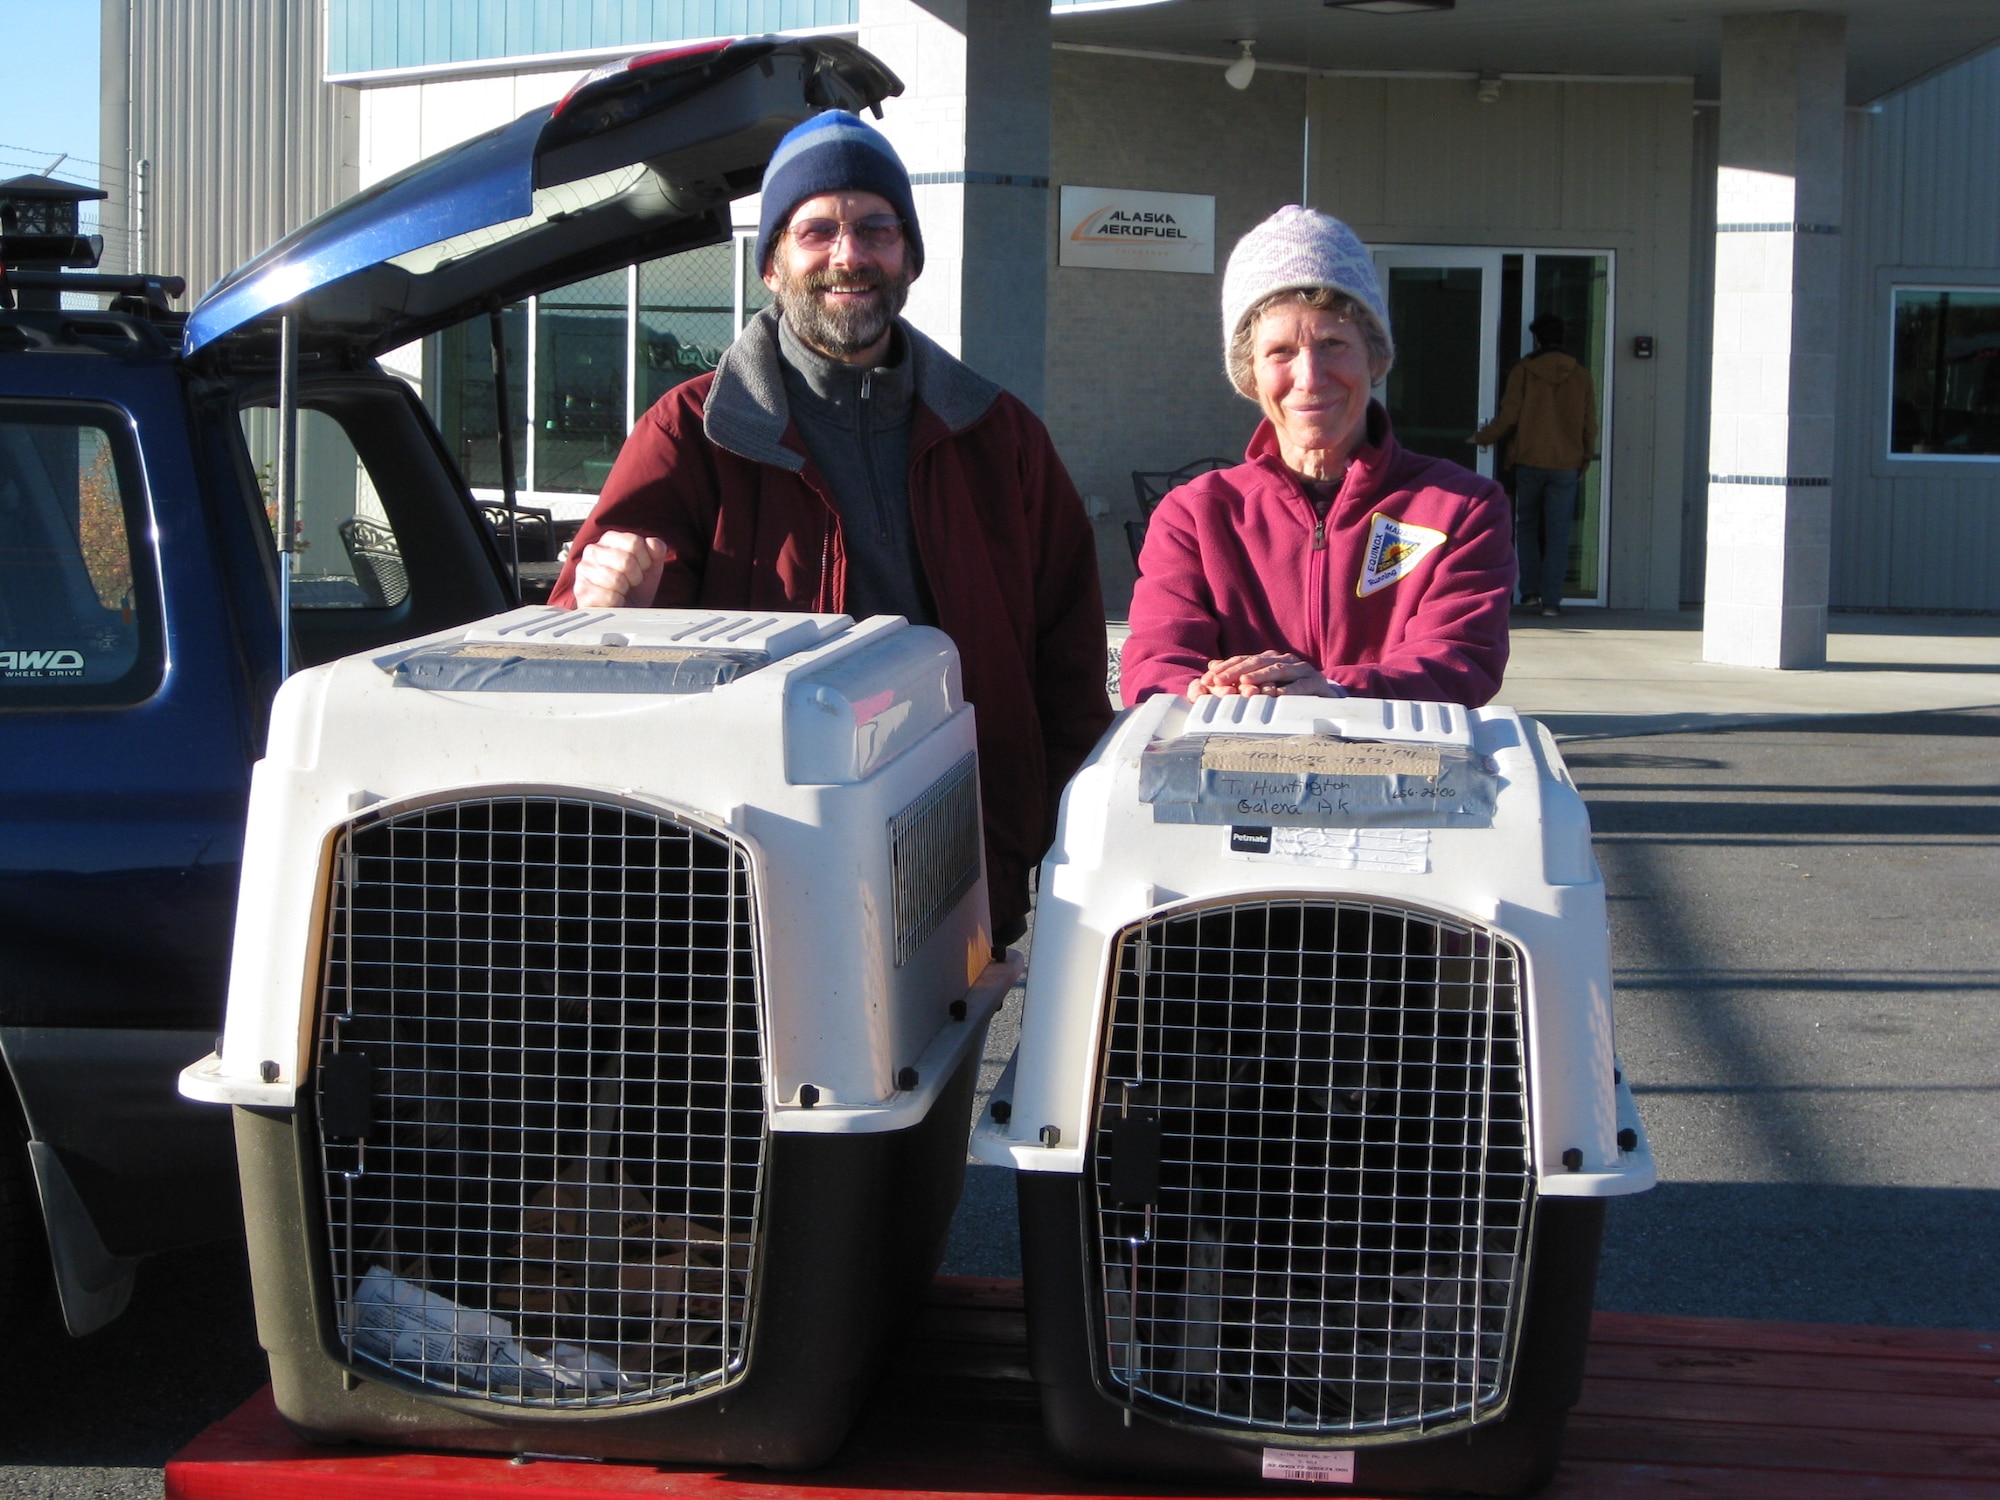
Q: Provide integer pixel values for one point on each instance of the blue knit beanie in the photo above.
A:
(834, 152)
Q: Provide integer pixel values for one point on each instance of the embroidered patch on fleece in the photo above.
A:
(1394, 548)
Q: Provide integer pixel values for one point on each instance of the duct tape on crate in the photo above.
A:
(1315, 781)
(563, 667)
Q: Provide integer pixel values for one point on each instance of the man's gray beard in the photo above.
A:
(839, 331)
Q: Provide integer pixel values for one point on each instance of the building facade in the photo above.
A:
(1774, 238)
(217, 119)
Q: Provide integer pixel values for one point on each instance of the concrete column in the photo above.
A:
(972, 125)
(1777, 295)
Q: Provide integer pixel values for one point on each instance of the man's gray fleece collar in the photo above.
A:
(746, 411)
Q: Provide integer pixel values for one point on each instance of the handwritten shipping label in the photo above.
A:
(1295, 754)
(1314, 780)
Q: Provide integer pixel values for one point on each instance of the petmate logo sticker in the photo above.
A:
(1394, 548)
(57, 663)
(1121, 229)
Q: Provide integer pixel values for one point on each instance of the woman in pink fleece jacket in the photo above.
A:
(1331, 561)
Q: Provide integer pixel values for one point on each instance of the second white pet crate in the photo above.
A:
(1315, 1108)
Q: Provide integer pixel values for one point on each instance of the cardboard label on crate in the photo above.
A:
(1317, 1466)
(1307, 781)
(1316, 755)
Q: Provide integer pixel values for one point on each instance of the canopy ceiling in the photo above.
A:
(1890, 43)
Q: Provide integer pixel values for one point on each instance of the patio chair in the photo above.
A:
(537, 530)
(1150, 487)
(377, 559)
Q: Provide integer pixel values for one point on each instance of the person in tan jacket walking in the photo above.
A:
(1550, 408)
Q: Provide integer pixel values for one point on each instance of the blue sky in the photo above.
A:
(48, 102)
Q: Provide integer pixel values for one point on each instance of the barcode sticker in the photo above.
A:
(1318, 1466)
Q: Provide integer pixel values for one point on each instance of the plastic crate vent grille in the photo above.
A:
(934, 850)
(539, 1101)
(1310, 1168)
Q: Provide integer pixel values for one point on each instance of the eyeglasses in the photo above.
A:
(882, 232)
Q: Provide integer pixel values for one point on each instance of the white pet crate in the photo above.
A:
(1315, 1107)
(605, 1007)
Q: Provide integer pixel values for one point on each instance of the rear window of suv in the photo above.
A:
(79, 618)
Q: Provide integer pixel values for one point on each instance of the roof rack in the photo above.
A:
(145, 296)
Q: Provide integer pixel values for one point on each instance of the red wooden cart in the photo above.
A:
(1679, 1407)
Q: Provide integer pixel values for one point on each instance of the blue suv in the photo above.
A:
(146, 612)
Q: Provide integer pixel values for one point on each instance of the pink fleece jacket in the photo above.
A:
(1402, 592)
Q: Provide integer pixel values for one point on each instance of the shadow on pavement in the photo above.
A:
(1806, 1252)
(1806, 979)
(1580, 728)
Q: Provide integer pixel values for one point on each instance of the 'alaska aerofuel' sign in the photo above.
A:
(1119, 229)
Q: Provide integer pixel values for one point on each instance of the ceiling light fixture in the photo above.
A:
(1239, 73)
(1390, 7)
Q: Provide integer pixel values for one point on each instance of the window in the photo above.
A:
(685, 318)
(463, 404)
(79, 622)
(1945, 379)
(345, 554)
(582, 333)
(584, 362)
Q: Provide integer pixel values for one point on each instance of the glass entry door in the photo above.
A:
(1577, 289)
(1460, 316)
(1444, 308)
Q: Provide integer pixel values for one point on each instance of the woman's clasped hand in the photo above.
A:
(1266, 674)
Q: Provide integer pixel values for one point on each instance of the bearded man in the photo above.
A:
(837, 460)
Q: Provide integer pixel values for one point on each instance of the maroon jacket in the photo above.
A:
(718, 472)
(1401, 593)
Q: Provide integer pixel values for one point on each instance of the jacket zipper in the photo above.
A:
(865, 428)
(1321, 585)
(827, 603)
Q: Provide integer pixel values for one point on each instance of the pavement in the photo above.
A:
(1599, 674)
(1801, 869)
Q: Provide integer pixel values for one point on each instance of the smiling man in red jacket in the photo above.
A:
(837, 460)
(1332, 561)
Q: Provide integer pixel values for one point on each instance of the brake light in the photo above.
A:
(647, 59)
(633, 64)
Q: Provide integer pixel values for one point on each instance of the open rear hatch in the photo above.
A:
(639, 160)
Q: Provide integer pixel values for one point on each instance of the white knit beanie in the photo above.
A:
(1294, 249)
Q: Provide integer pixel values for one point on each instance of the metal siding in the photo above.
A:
(488, 31)
(369, 36)
(1701, 344)
(244, 143)
(1349, 128)
(1923, 194)
(1134, 361)
(439, 34)
(1655, 391)
(520, 33)
(1454, 163)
